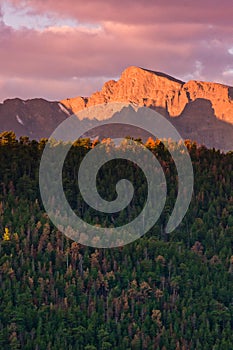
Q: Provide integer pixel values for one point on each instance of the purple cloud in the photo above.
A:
(188, 40)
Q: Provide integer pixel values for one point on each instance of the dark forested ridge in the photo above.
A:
(169, 292)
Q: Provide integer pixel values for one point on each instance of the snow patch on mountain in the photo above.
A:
(19, 120)
(64, 109)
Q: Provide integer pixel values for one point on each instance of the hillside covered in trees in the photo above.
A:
(169, 292)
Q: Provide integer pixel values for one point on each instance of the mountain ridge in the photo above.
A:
(201, 111)
(157, 90)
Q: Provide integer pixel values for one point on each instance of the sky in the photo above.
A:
(57, 49)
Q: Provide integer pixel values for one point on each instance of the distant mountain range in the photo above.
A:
(201, 111)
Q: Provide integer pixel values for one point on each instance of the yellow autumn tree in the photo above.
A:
(6, 234)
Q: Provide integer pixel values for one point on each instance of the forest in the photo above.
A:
(163, 291)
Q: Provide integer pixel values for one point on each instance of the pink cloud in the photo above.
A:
(169, 37)
(141, 11)
(53, 90)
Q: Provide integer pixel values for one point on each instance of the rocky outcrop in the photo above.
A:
(154, 89)
(219, 95)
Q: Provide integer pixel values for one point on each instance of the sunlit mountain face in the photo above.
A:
(201, 111)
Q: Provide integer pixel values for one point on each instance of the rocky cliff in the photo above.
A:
(201, 111)
(154, 89)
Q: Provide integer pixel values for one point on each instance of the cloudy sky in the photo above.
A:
(64, 48)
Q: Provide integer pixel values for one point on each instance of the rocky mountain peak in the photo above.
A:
(201, 111)
(158, 90)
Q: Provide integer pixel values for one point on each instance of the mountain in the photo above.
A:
(35, 118)
(201, 111)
